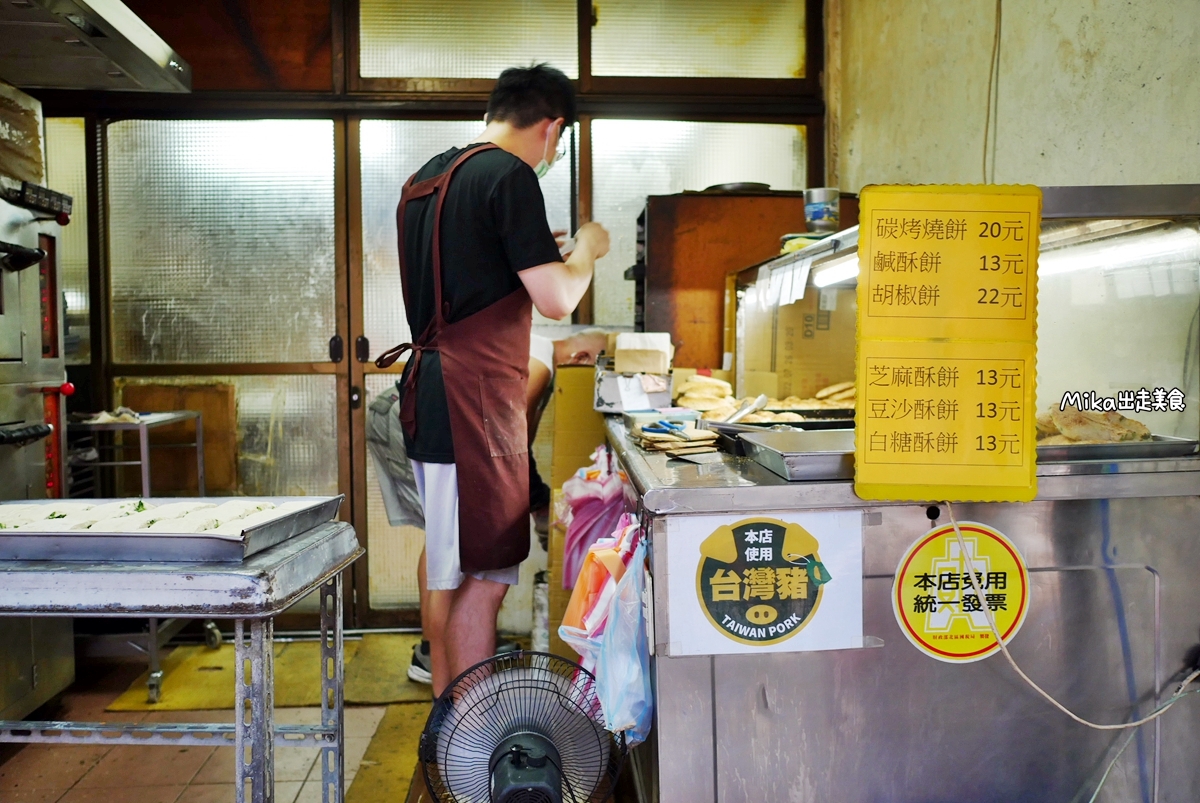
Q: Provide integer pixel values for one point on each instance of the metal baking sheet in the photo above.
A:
(728, 440)
(804, 455)
(818, 412)
(90, 545)
(1159, 446)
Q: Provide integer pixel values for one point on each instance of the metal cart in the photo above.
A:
(145, 423)
(251, 593)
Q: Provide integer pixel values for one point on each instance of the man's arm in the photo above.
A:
(535, 389)
(557, 287)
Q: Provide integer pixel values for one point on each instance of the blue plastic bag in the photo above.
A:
(623, 660)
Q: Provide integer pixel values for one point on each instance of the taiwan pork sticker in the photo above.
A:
(760, 581)
(936, 605)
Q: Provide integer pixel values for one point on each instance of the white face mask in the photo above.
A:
(543, 167)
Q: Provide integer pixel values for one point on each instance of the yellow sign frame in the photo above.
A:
(947, 288)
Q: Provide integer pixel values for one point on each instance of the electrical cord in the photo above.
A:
(991, 618)
(1179, 695)
(993, 73)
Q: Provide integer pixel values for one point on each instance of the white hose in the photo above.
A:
(991, 618)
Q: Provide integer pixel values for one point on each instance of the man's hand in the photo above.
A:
(556, 287)
(593, 236)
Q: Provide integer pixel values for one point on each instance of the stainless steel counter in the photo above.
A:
(251, 593)
(261, 586)
(667, 486)
(1113, 555)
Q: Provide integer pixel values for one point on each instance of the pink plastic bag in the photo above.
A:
(596, 501)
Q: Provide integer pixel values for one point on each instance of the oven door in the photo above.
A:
(14, 228)
(10, 316)
(22, 463)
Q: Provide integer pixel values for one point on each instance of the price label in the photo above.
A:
(951, 264)
(944, 413)
(947, 343)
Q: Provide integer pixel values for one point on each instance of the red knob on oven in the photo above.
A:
(62, 218)
(66, 389)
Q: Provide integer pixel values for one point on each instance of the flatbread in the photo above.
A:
(702, 403)
(706, 389)
(832, 389)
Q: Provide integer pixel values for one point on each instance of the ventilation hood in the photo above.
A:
(85, 44)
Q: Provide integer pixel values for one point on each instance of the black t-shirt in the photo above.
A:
(493, 225)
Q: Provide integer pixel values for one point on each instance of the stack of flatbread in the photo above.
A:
(841, 392)
(704, 393)
(715, 401)
(675, 443)
(768, 417)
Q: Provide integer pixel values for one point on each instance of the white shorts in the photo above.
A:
(437, 484)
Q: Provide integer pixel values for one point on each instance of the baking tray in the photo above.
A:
(817, 412)
(826, 454)
(727, 434)
(1159, 446)
(89, 545)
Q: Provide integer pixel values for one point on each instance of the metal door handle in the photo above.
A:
(23, 435)
(362, 349)
(337, 348)
(18, 257)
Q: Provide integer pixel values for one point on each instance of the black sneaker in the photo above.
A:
(421, 668)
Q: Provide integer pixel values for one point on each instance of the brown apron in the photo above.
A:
(485, 368)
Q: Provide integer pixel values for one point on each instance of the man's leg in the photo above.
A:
(435, 609)
(471, 626)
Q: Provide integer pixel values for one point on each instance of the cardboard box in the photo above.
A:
(578, 428)
(762, 382)
(559, 596)
(642, 352)
(815, 341)
(641, 361)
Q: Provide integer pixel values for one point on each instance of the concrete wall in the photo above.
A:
(1088, 91)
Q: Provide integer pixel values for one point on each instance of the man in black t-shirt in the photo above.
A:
(495, 245)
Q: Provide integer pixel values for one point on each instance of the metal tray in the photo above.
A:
(89, 545)
(1159, 446)
(804, 455)
(819, 412)
(728, 440)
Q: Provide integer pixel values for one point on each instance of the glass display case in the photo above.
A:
(1118, 318)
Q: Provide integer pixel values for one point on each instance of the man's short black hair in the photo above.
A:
(525, 95)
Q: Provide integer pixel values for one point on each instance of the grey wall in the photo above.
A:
(1089, 91)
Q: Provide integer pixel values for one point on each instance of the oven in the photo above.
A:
(37, 659)
(32, 372)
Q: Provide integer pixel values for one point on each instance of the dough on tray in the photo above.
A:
(176, 509)
(237, 526)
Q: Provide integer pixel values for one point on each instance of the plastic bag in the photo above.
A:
(385, 444)
(596, 501)
(589, 606)
(606, 624)
(623, 659)
(602, 567)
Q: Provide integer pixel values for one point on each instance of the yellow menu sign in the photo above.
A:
(947, 312)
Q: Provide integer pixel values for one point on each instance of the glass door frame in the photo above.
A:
(104, 371)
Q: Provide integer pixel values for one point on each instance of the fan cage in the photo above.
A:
(519, 691)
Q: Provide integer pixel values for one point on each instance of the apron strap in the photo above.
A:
(428, 340)
(442, 310)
